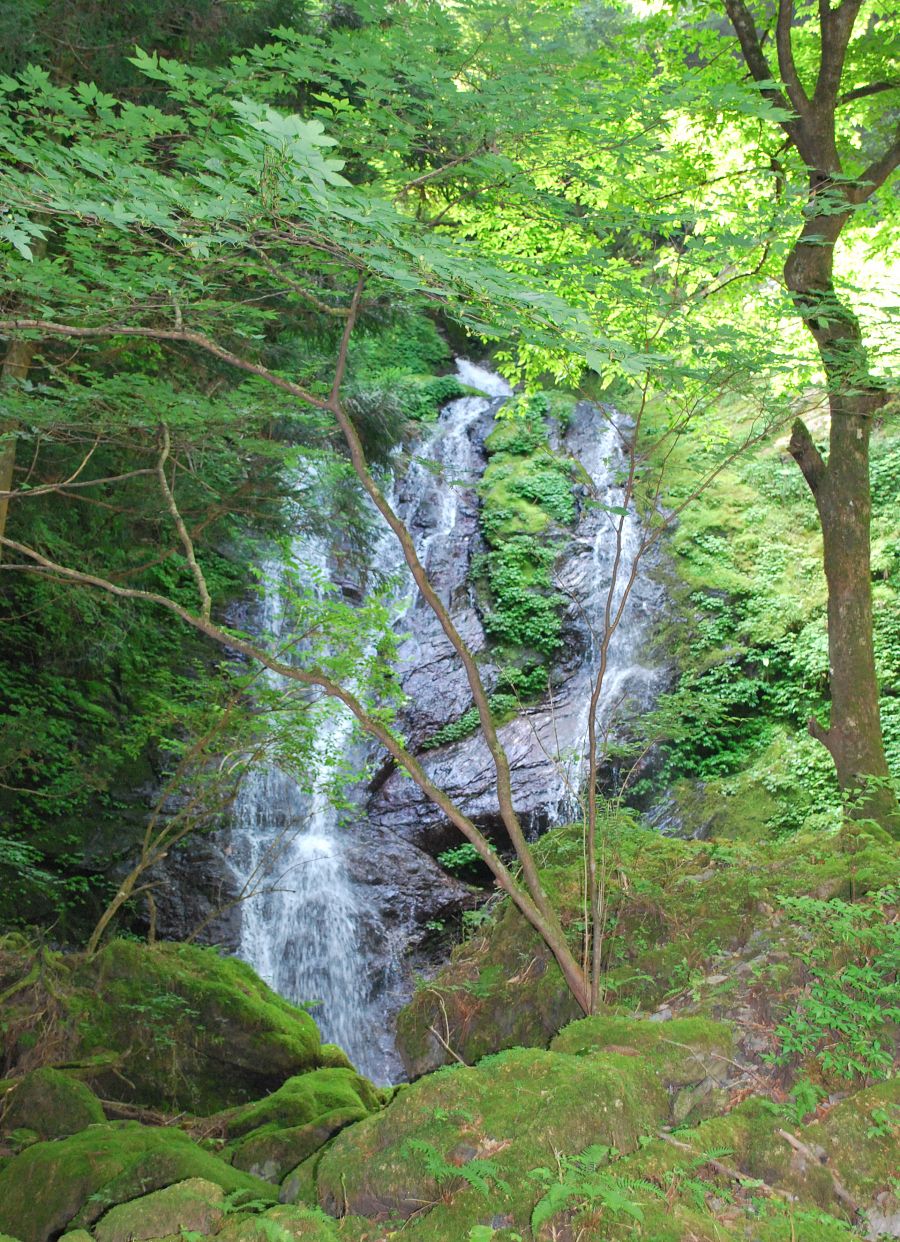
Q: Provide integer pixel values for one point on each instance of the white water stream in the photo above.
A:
(304, 929)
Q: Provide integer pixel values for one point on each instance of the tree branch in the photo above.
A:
(24, 493)
(873, 88)
(548, 930)
(183, 535)
(49, 327)
(806, 455)
(836, 26)
(786, 65)
(437, 172)
(341, 364)
(339, 312)
(876, 174)
(751, 47)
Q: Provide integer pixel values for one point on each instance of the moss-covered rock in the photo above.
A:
(754, 1173)
(50, 1103)
(302, 1099)
(194, 1204)
(187, 1028)
(466, 1140)
(273, 1135)
(272, 1151)
(675, 907)
(295, 1224)
(215, 1033)
(73, 1181)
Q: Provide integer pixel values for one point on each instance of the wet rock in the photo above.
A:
(195, 887)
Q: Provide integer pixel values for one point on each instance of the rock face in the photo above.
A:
(545, 744)
(358, 951)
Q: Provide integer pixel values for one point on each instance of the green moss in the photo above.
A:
(674, 906)
(303, 1224)
(73, 1181)
(52, 1104)
(193, 1204)
(304, 1099)
(272, 1151)
(747, 628)
(467, 1140)
(197, 1012)
(526, 494)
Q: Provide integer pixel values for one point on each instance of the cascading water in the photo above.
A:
(324, 926)
(299, 922)
(303, 930)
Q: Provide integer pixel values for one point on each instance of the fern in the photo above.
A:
(580, 1184)
(477, 1173)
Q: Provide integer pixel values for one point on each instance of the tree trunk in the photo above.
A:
(843, 499)
(15, 368)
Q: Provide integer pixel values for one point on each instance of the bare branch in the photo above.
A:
(437, 172)
(341, 364)
(548, 929)
(25, 493)
(186, 541)
(165, 334)
(873, 88)
(340, 312)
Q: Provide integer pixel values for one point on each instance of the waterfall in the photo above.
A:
(319, 929)
(300, 926)
(305, 927)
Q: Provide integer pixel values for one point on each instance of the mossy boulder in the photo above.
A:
(467, 1139)
(73, 1181)
(739, 1176)
(675, 907)
(187, 1028)
(50, 1103)
(302, 1099)
(194, 1204)
(272, 1151)
(273, 1135)
(294, 1224)
(214, 1033)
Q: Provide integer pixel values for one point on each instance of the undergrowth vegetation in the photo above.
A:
(748, 636)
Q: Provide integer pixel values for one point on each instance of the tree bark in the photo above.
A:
(15, 368)
(839, 485)
(843, 500)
